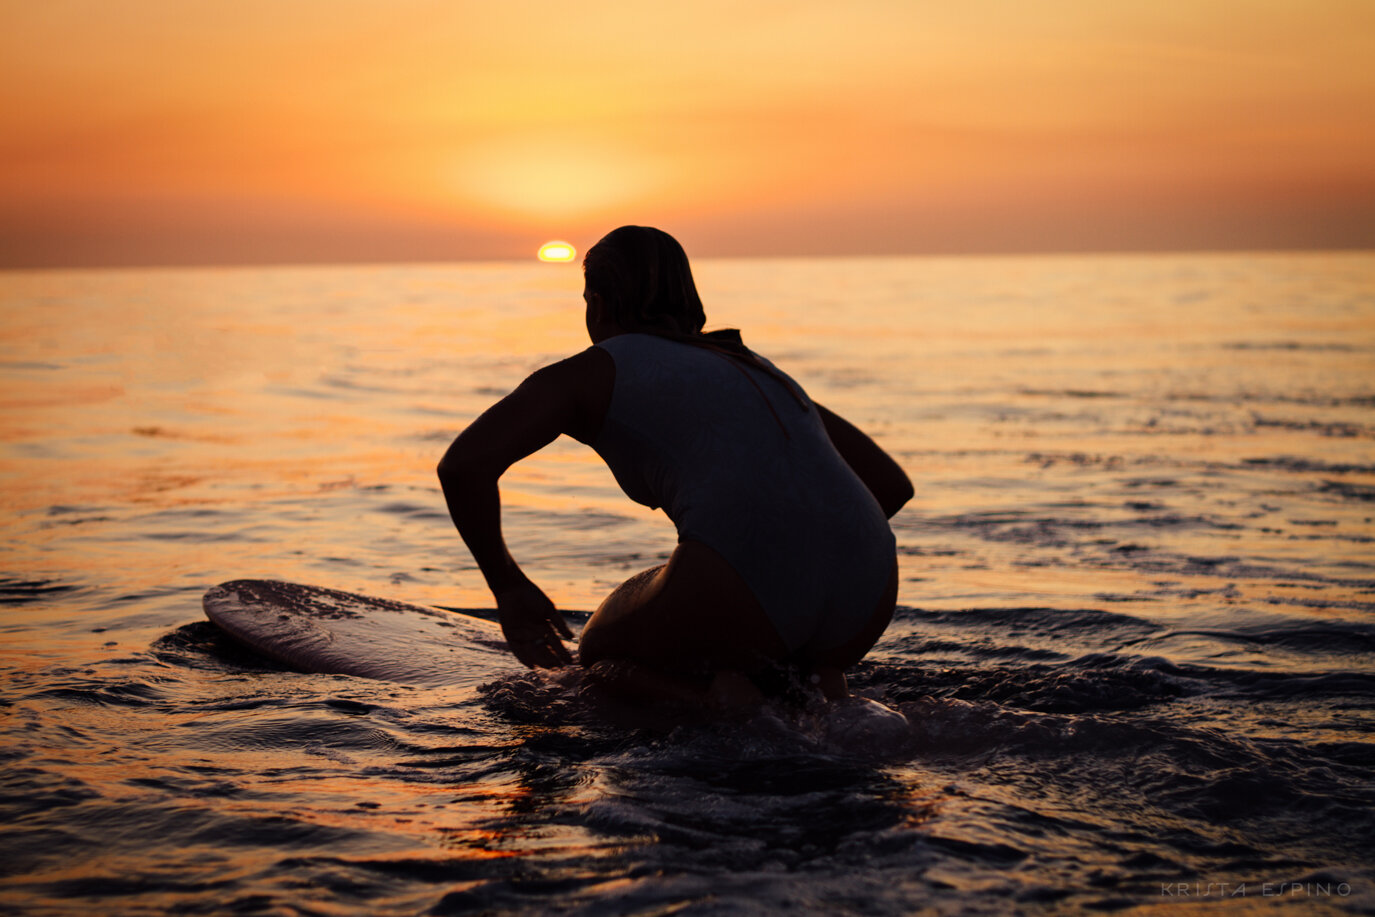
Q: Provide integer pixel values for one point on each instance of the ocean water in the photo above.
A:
(1135, 644)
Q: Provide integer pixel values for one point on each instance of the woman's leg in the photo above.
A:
(693, 611)
(696, 611)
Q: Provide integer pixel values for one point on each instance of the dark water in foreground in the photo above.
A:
(1136, 647)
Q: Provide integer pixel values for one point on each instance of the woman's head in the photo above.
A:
(644, 281)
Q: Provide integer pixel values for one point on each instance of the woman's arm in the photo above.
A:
(562, 398)
(884, 477)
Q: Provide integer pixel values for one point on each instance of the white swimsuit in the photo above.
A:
(741, 465)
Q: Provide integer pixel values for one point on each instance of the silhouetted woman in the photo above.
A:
(784, 552)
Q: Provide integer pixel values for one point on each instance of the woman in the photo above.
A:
(784, 552)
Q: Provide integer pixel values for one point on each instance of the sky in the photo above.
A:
(170, 132)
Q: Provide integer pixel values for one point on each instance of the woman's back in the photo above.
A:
(740, 460)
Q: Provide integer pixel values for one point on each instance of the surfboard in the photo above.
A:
(313, 629)
(327, 631)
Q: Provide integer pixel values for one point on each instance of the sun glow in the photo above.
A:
(156, 132)
(557, 251)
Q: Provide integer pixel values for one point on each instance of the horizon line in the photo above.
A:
(534, 260)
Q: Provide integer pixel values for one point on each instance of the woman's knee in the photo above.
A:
(592, 648)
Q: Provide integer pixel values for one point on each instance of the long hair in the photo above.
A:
(643, 276)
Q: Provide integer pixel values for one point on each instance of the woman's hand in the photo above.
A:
(532, 626)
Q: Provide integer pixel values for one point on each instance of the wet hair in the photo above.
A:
(643, 276)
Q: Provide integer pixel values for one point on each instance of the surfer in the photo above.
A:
(784, 551)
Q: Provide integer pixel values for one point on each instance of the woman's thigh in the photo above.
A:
(693, 610)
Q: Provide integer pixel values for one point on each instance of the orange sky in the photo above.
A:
(265, 131)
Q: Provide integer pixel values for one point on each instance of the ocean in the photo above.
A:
(1135, 642)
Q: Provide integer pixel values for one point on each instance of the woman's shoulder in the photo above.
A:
(576, 389)
(586, 367)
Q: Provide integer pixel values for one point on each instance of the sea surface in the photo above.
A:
(1135, 644)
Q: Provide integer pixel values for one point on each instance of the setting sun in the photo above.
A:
(556, 251)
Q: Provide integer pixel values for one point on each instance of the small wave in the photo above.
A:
(31, 790)
(1316, 347)
(1090, 623)
(107, 693)
(22, 592)
(30, 365)
(202, 645)
(1057, 531)
(1095, 682)
(1252, 684)
(1363, 493)
(322, 733)
(1070, 393)
(1305, 465)
(1348, 639)
(415, 511)
(1321, 427)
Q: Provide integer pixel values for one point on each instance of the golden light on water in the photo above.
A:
(557, 251)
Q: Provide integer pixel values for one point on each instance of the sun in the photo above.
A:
(557, 251)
